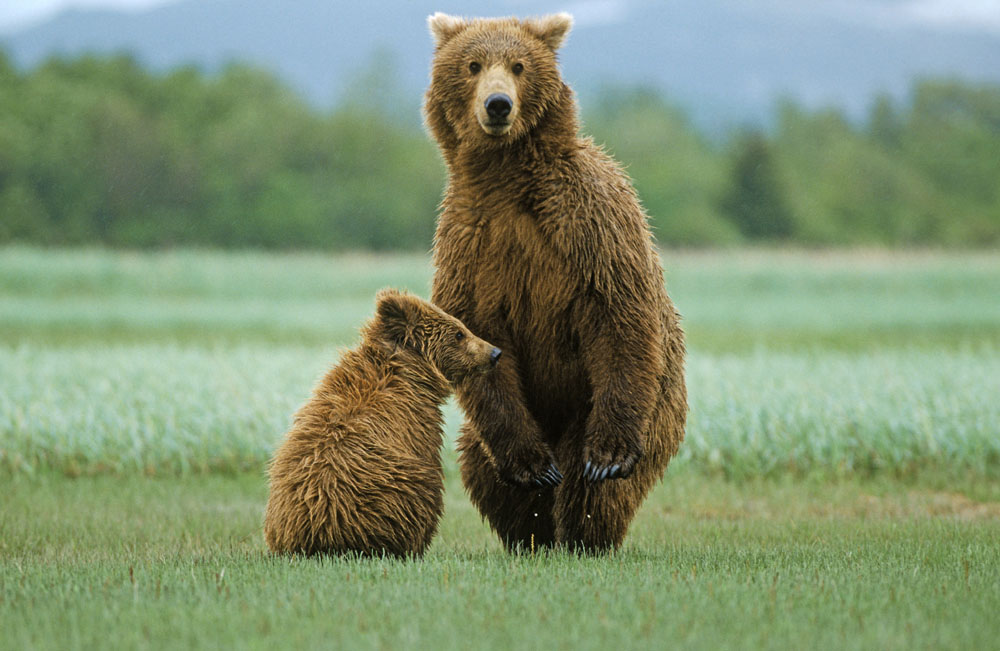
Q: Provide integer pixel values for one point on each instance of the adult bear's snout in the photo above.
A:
(495, 356)
(498, 106)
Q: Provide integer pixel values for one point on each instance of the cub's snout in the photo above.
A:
(485, 354)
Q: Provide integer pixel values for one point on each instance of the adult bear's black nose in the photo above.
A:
(495, 356)
(498, 106)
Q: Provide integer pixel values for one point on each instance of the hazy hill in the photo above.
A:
(724, 60)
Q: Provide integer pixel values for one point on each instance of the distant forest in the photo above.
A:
(100, 151)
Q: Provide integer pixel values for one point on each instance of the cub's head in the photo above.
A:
(493, 80)
(405, 322)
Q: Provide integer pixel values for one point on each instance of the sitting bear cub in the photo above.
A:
(360, 469)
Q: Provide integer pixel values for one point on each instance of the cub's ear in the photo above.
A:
(552, 29)
(443, 27)
(395, 316)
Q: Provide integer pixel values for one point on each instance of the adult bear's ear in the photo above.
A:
(552, 29)
(444, 27)
(395, 316)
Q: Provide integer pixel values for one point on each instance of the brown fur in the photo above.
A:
(542, 248)
(360, 469)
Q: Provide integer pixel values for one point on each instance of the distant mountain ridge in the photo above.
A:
(724, 61)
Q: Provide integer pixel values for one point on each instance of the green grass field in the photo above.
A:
(839, 485)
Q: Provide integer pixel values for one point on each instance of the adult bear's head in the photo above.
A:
(493, 80)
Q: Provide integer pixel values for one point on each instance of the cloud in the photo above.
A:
(940, 15)
(15, 14)
(960, 14)
(597, 12)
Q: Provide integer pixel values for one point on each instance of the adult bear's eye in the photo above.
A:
(459, 336)
(474, 67)
(517, 68)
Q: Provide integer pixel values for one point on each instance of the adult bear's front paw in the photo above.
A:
(610, 457)
(529, 467)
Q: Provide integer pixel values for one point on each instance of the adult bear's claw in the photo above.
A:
(596, 473)
(617, 468)
(550, 477)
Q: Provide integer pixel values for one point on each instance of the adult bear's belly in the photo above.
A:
(528, 288)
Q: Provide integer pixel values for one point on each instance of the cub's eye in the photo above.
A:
(474, 67)
(459, 336)
(517, 68)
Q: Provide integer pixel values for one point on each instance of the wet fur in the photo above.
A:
(543, 248)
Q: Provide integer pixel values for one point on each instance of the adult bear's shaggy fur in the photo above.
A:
(360, 469)
(543, 249)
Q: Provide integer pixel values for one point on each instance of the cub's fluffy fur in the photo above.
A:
(360, 469)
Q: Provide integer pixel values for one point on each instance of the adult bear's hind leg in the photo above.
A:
(521, 516)
(593, 517)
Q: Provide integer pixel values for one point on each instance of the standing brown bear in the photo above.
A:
(360, 470)
(543, 248)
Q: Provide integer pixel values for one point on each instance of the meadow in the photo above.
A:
(839, 484)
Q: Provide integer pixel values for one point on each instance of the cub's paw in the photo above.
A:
(612, 458)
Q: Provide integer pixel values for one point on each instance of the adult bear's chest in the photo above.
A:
(525, 289)
(521, 279)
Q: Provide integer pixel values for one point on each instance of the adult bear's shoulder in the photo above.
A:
(589, 212)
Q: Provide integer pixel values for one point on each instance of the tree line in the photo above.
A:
(98, 150)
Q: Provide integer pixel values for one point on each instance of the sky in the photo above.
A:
(958, 13)
(977, 15)
(15, 14)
